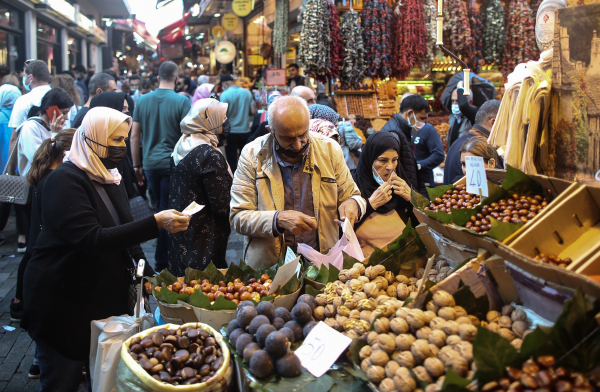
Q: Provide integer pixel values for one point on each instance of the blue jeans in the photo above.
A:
(158, 181)
(58, 373)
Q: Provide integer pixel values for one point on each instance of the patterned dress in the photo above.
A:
(201, 176)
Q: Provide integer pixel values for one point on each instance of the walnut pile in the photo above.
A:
(512, 324)
(437, 273)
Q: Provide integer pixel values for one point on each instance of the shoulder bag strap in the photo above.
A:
(18, 130)
(107, 202)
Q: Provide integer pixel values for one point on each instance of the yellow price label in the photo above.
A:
(242, 7)
(230, 21)
(218, 32)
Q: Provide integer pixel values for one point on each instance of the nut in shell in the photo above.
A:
(371, 290)
(376, 374)
(382, 325)
(372, 338)
(459, 365)
(505, 322)
(389, 276)
(434, 367)
(450, 328)
(404, 383)
(432, 307)
(465, 349)
(386, 311)
(392, 291)
(320, 299)
(422, 375)
(404, 358)
(437, 323)
(386, 342)
(387, 385)
(517, 343)
(402, 279)
(459, 311)
(402, 313)
(415, 318)
(319, 313)
(518, 315)
(474, 320)
(362, 327)
(351, 304)
(353, 273)
(507, 334)
(356, 285)
(359, 296)
(360, 267)
(437, 337)
(329, 311)
(341, 320)
(423, 333)
(390, 368)
(398, 326)
(402, 291)
(343, 275)
(494, 327)
(446, 354)
(467, 332)
(492, 316)
(379, 358)
(442, 299)
(343, 311)
(365, 352)
(365, 315)
(404, 341)
(420, 273)
(507, 310)
(447, 313)
(420, 349)
(365, 365)
(519, 328)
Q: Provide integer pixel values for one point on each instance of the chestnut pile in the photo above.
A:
(540, 375)
(458, 198)
(553, 260)
(236, 291)
(262, 335)
(178, 356)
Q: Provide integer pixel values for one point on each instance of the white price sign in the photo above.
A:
(476, 179)
(321, 348)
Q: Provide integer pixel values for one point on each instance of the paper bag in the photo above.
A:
(108, 336)
(348, 243)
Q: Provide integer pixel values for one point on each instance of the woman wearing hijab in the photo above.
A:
(80, 267)
(383, 182)
(120, 102)
(325, 128)
(9, 92)
(324, 113)
(200, 173)
(202, 92)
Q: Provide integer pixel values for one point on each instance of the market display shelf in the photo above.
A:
(354, 92)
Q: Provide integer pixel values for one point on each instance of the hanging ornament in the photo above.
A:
(280, 30)
(493, 35)
(376, 19)
(409, 37)
(313, 53)
(354, 61)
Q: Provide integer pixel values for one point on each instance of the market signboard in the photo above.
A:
(242, 7)
(230, 21)
(218, 32)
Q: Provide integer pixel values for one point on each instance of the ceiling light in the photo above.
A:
(217, 15)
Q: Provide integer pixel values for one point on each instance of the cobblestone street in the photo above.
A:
(16, 347)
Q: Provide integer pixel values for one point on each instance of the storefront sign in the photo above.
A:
(63, 8)
(242, 7)
(218, 32)
(276, 77)
(85, 23)
(230, 21)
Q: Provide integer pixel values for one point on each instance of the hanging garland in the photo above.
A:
(457, 29)
(376, 25)
(494, 38)
(336, 46)
(354, 61)
(430, 13)
(520, 32)
(476, 34)
(313, 53)
(280, 30)
(409, 37)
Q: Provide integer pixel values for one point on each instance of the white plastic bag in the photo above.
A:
(108, 336)
(348, 243)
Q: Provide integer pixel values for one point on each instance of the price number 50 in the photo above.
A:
(313, 349)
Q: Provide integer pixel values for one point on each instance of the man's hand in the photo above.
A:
(348, 211)
(295, 222)
(139, 173)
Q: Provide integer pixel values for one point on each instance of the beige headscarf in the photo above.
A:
(98, 124)
(200, 126)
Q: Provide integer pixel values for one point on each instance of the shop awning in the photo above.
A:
(140, 34)
(175, 32)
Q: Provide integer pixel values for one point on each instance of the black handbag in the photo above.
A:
(13, 189)
(139, 208)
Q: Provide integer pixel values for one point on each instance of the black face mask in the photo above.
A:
(226, 129)
(289, 153)
(115, 155)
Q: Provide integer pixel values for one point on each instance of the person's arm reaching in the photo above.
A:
(466, 109)
(436, 150)
(136, 133)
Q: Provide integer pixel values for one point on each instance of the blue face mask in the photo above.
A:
(377, 177)
(455, 109)
(26, 85)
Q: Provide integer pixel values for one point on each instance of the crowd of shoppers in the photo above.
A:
(294, 176)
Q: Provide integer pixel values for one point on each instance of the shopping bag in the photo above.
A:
(108, 336)
(348, 244)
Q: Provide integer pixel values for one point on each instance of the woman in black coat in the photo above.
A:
(200, 173)
(80, 268)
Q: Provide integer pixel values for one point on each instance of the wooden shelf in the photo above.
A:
(354, 92)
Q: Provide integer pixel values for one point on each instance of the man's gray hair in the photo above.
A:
(487, 111)
(202, 79)
(99, 81)
(290, 100)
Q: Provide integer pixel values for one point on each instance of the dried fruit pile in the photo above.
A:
(352, 303)
(553, 260)
(540, 375)
(376, 19)
(457, 198)
(512, 324)
(178, 356)
(235, 291)
(428, 342)
(262, 335)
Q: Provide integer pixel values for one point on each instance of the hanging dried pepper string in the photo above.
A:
(375, 18)
(520, 37)
(336, 46)
(409, 37)
(494, 36)
(476, 34)
(354, 61)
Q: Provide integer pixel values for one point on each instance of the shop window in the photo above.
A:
(46, 32)
(45, 51)
(8, 18)
(258, 42)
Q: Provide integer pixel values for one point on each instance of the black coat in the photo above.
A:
(78, 269)
(201, 176)
(407, 158)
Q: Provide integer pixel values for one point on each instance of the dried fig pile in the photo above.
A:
(178, 356)
(352, 303)
(512, 324)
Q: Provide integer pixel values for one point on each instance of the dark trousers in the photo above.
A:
(235, 144)
(158, 182)
(58, 373)
(23, 214)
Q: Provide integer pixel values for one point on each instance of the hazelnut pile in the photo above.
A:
(540, 375)
(178, 356)
(236, 291)
(350, 305)
(428, 342)
(458, 198)
(553, 260)
(512, 324)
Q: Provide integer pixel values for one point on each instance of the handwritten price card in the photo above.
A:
(321, 348)
(476, 178)
(276, 77)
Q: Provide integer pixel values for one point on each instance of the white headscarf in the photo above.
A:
(8, 95)
(98, 124)
(201, 126)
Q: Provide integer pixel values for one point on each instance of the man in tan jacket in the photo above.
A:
(289, 187)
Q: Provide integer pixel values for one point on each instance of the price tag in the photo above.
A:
(321, 348)
(275, 77)
(140, 268)
(476, 179)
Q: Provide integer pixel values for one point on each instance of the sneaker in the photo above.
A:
(34, 371)
(16, 311)
(21, 247)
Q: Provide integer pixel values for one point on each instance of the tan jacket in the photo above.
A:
(257, 193)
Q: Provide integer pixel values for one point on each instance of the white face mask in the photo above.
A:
(455, 109)
(418, 124)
